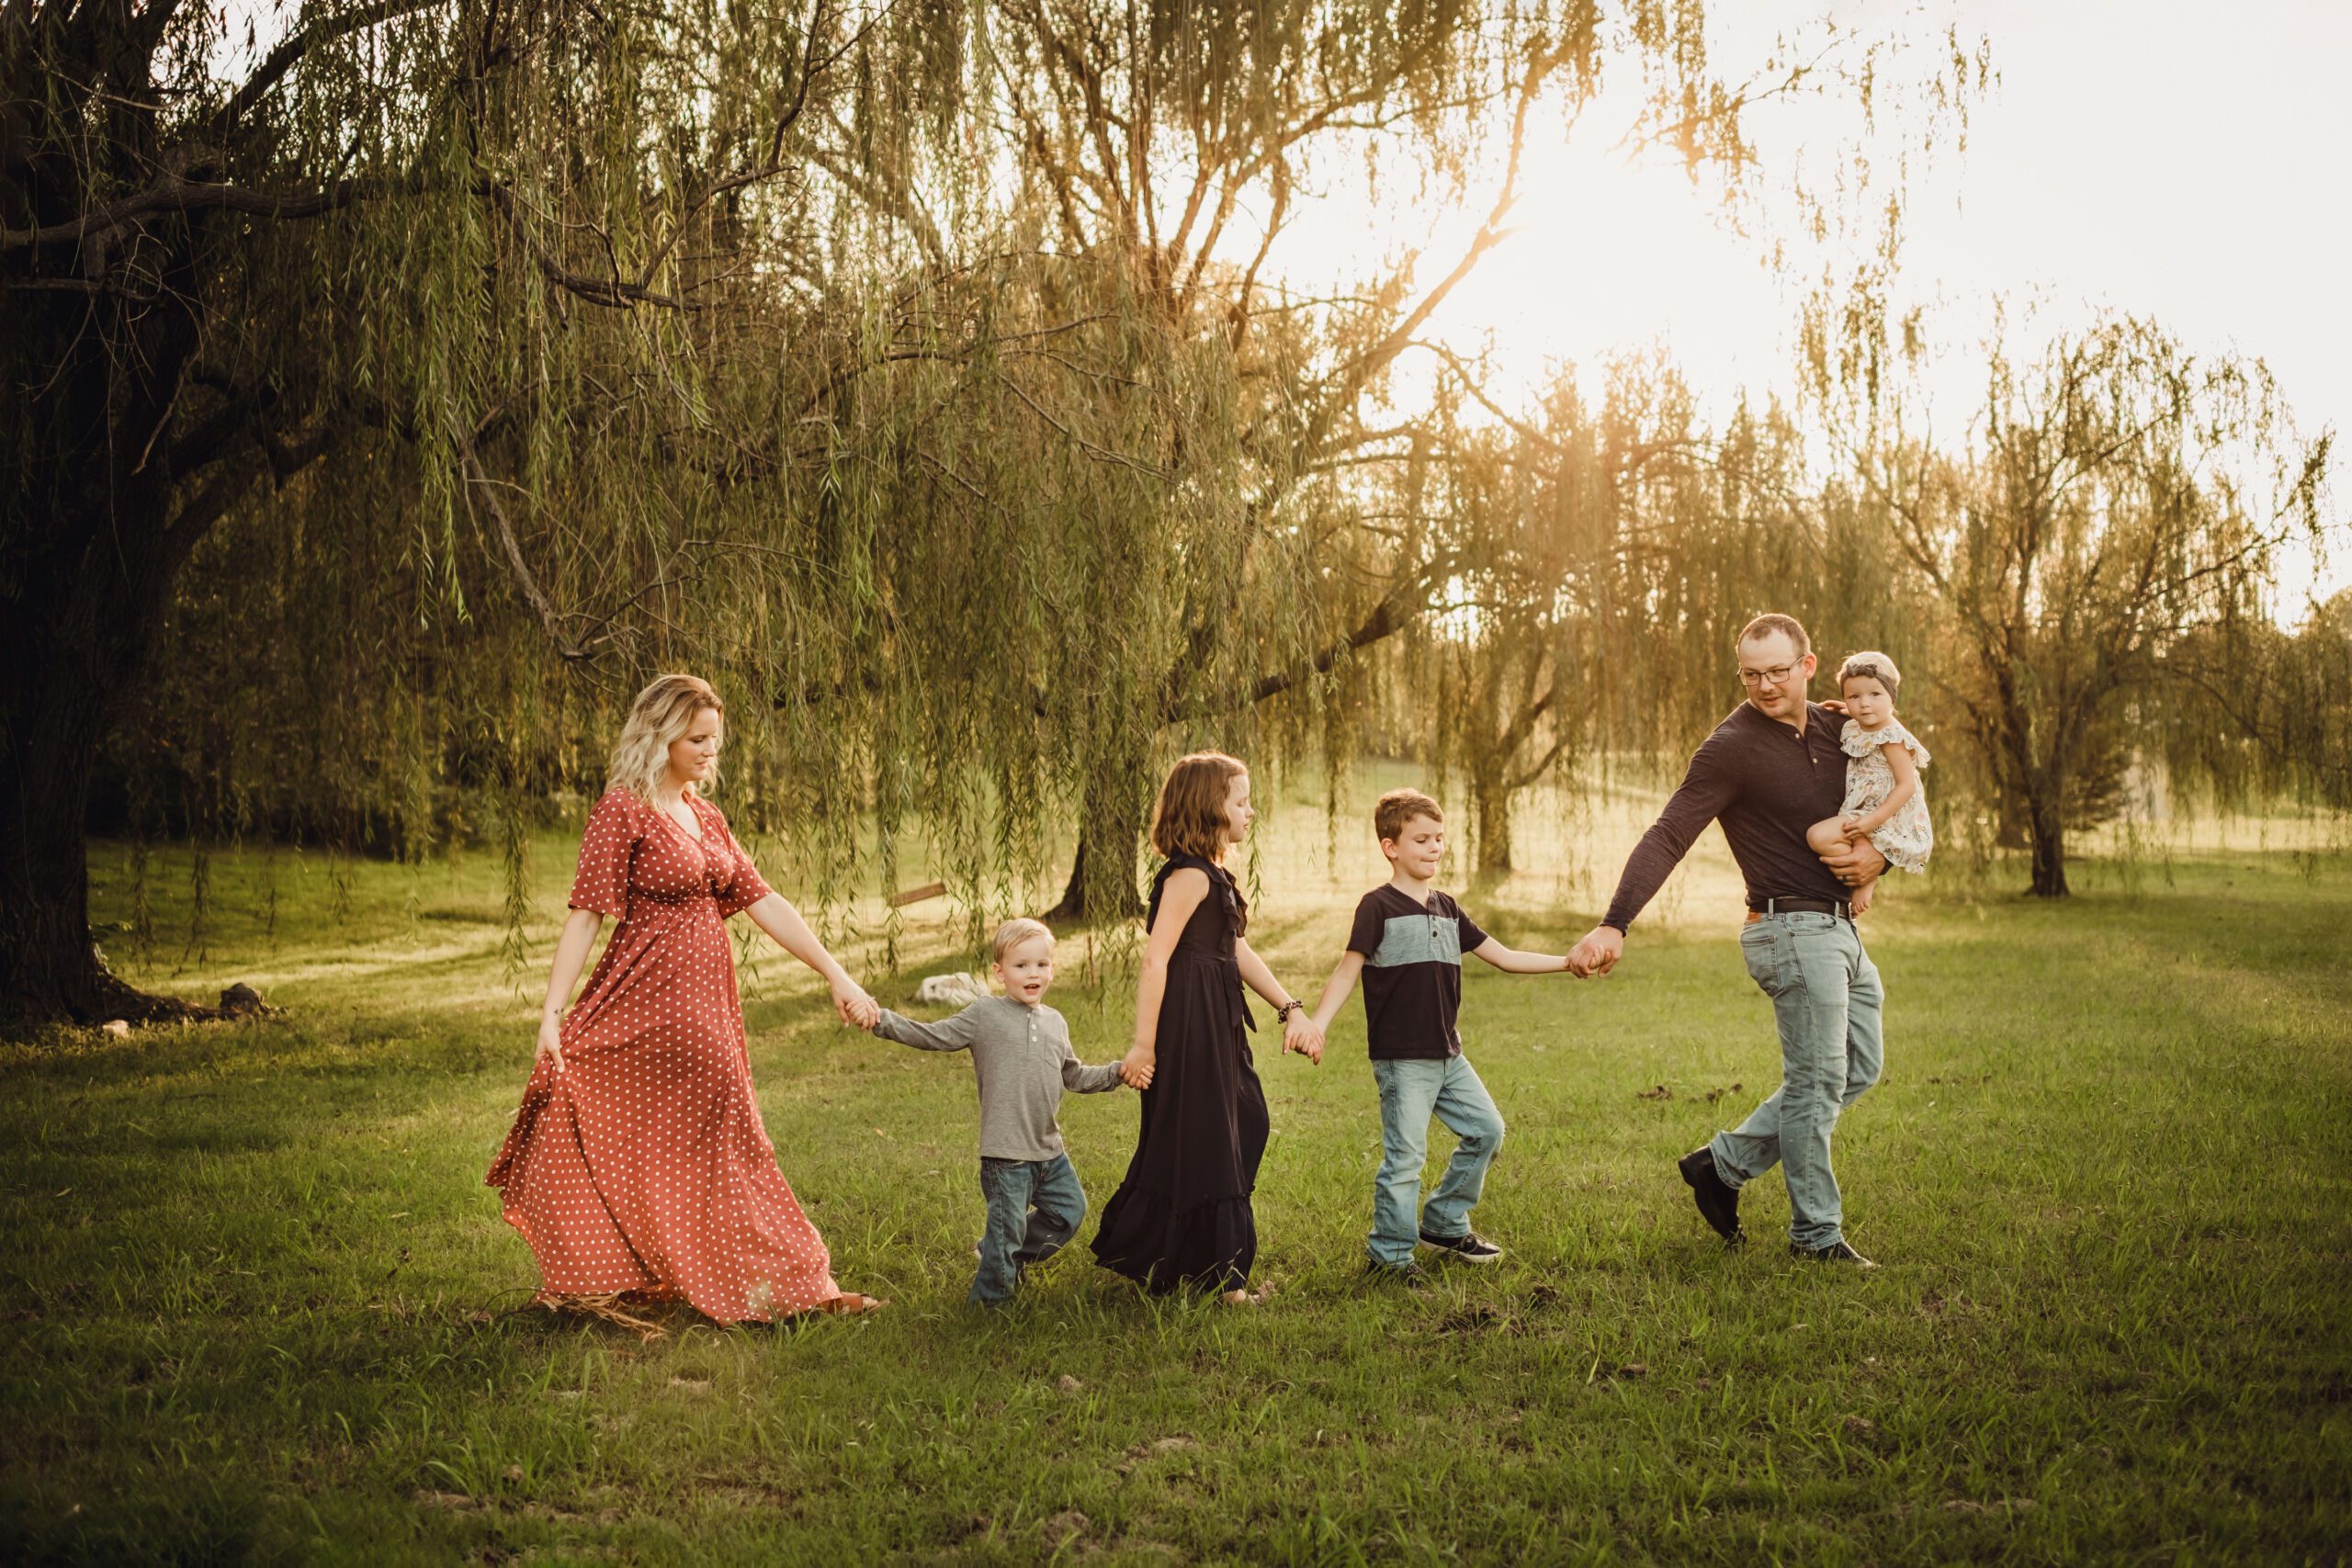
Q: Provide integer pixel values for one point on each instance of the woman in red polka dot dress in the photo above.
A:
(638, 1165)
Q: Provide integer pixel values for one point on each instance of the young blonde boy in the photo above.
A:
(1407, 943)
(1022, 1051)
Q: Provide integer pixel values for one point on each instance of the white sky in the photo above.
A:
(2183, 161)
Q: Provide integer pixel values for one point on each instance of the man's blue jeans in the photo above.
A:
(1410, 1092)
(1829, 1005)
(1035, 1206)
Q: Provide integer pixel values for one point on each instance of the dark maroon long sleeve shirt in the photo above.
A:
(1767, 783)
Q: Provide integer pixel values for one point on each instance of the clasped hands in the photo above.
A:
(1299, 1034)
(857, 1008)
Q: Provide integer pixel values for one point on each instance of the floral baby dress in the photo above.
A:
(1907, 838)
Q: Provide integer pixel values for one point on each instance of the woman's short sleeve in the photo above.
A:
(747, 888)
(602, 882)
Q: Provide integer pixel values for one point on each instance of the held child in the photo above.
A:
(1183, 1215)
(1021, 1049)
(1407, 943)
(1883, 802)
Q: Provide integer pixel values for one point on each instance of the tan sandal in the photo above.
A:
(849, 1304)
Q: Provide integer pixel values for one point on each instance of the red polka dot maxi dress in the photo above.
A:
(642, 1167)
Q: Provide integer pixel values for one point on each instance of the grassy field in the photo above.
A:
(259, 1305)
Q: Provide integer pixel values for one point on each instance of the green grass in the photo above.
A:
(258, 1305)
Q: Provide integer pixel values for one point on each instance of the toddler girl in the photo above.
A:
(1883, 802)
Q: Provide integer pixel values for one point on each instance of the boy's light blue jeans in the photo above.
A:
(1035, 1206)
(1410, 1092)
(1829, 1005)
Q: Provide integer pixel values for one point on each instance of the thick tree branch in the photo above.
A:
(172, 193)
(323, 31)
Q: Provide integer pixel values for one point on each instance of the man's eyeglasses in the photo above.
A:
(1775, 677)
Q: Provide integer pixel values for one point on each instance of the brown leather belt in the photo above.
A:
(1838, 907)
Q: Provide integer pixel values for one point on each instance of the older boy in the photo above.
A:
(1407, 943)
(1022, 1051)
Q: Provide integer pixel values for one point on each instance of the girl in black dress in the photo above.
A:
(1182, 1216)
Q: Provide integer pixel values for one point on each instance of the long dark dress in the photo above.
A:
(1182, 1216)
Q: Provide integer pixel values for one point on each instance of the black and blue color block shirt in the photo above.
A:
(1412, 971)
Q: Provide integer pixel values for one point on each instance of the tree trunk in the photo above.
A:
(1101, 889)
(2046, 831)
(95, 532)
(1490, 806)
(52, 717)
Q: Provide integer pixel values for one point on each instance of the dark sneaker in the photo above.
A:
(1836, 1252)
(1469, 1246)
(1410, 1274)
(1718, 1204)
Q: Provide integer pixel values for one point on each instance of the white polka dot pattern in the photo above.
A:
(644, 1165)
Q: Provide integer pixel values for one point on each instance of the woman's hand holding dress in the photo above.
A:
(551, 1039)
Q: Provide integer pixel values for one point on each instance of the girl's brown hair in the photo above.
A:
(1189, 817)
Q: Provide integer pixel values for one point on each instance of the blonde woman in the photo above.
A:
(638, 1166)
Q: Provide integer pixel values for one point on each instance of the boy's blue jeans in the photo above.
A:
(1035, 1207)
(1829, 1003)
(1410, 1092)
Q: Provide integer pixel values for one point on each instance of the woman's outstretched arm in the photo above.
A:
(580, 930)
(775, 916)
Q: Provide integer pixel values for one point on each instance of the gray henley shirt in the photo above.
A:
(1024, 1059)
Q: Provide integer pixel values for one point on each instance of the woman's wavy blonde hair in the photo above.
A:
(663, 712)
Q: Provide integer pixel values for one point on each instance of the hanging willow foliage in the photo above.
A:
(911, 371)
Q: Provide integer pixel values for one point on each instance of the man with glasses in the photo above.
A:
(1768, 772)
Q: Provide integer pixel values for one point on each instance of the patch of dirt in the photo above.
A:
(1062, 1531)
(1479, 1318)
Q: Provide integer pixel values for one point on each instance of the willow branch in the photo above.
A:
(325, 30)
(810, 69)
(549, 615)
(172, 193)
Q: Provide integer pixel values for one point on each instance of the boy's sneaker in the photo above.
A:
(1409, 1274)
(1836, 1252)
(1469, 1246)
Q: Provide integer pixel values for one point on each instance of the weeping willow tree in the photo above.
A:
(915, 371)
(2269, 711)
(1173, 147)
(461, 260)
(1613, 551)
(2111, 520)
